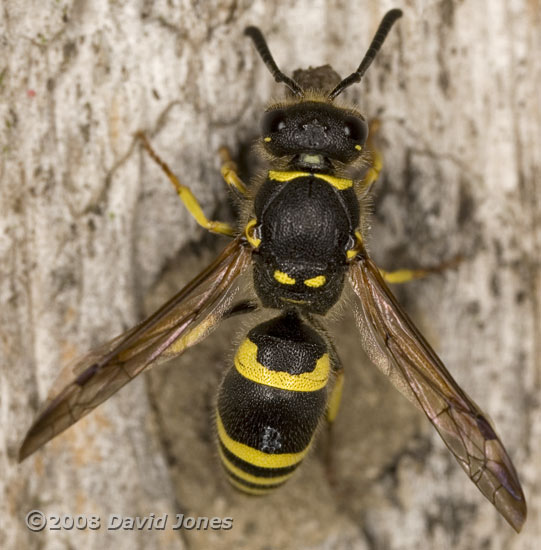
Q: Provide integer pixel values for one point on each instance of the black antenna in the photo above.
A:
(383, 30)
(263, 50)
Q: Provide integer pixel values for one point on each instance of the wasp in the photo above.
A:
(301, 240)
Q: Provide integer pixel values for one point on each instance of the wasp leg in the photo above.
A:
(336, 396)
(187, 197)
(405, 275)
(333, 403)
(377, 160)
(240, 308)
(229, 172)
(332, 410)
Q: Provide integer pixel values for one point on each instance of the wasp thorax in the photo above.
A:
(315, 133)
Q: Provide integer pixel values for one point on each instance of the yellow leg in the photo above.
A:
(336, 396)
(405, 275)
(229, 172)
(187, 197)
(377, 161)
(332, 410)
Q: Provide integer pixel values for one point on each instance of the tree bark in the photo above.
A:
(92, 237)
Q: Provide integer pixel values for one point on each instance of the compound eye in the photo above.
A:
(273, 121)
(355, 129)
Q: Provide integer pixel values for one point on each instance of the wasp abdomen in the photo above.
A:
(271, 402)
(306, 221)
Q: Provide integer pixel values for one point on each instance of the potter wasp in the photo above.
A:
(299, 241)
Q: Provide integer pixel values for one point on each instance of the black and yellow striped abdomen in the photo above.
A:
(270, 403)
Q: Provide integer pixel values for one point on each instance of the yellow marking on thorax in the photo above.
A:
(251, 478)
(248, 366)
(256, 457)
(292, 301)
(350, 254)
(248, 233)
(277, 175)
(337, 183)
(283, 278)
(316, 282)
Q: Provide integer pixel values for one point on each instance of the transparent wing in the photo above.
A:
(180, 323)
(400, 351)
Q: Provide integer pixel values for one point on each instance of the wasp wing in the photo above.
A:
(395, 345)
(179, 324)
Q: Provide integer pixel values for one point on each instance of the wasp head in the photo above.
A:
(313, 131)
(313, 134)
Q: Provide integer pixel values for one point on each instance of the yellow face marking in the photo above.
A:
(248, 233)
(248, 366)
(267, 139)
(316, 282)
(312, 159)
(250, 477)
(358, 147)
(254, 456)
(283, 278)
(337, 183)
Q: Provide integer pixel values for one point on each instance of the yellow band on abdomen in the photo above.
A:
(254, 456)
(251, 478)
(248, 366)
(249, 490)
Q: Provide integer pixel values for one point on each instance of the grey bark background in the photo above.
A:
(92, 238)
